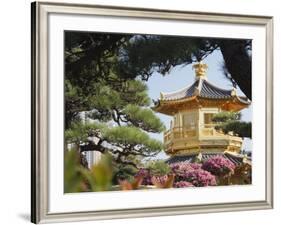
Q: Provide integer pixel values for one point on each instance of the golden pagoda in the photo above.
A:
(192, 131)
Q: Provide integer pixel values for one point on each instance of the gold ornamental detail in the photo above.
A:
(200, 69)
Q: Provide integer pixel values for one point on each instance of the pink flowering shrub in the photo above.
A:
(182, 166)
(183, 184)
(210, 173)
(145, 173)
(200, 178)
(218, 166)
(193, 173)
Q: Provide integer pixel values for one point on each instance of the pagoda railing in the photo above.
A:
(187, 140)
(178, 133)
(207, 130)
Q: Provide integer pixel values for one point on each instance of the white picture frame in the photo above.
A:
(49, 204)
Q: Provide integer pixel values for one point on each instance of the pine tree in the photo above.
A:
(231, 122)
(118, 123)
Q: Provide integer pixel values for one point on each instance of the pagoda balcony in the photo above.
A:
(178, 133)
(180, 139)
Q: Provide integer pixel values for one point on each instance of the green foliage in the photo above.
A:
(129, 135)
(158, 167)
(123, 172)
(79, 132)
(90, 59)
(109, 101)
(144, 118)
(145, 54)
(230, 122)
(73, 179)
(243, 129)
(100, 175)
(224, 117)
(123, 142)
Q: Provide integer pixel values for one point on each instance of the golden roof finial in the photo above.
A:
(200, 69)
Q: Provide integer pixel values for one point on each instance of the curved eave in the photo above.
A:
(244, 100)
(171, 107)
(237, 104)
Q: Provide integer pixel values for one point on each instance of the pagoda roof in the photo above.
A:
(200, 91)
(183, 93)
(236, 159)
(201, 88)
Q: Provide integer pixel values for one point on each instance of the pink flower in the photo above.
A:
(145, 173)
(183, 166)
(219, 166)
(193, 173)
(200, 178)
(183, 184)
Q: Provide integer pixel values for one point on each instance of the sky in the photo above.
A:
(182, 76)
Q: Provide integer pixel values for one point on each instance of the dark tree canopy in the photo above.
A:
(147, 54)
(90, 59)
(238, 63)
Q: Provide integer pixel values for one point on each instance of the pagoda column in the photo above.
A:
(198, 122)
(180, 123)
